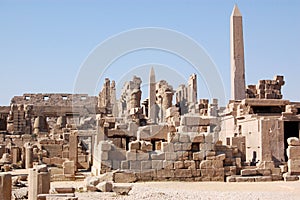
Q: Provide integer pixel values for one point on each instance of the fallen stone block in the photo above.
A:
(105, 186)
(122, 189)
(124, 177)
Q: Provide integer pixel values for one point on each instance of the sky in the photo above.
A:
(45, 44)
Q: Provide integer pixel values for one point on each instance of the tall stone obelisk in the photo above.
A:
(152, 97)
(238, 88)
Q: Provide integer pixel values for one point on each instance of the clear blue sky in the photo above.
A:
(44, 43)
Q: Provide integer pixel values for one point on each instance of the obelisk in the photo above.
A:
(238, 88)
(152, 97)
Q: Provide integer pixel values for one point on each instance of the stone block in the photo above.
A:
(245, 179)
(209, 138)
(146, 165)
(122, 189)
(186, 146)
(221, 157)
(118, 154)
(230, 179)
(142, 156)
(263, 178)
(124, 177)
(167, 147)
(207, 164)
(264, 172)
(206, 146)
(189, 164)
(294, 167)
(207, 172)
(105, 146)
(293, 152)
(131, 156)
(173, 137)
(179, 165)
(183, 173)
(146, 146)
(5, 186)
(198, 138)
(69, 168)
(293, 141)
(105, 186)
(230, 170)
(283, 168)
(134, 145)
(168, 164)
(177, 146)
(210, 153)
(125, 164)
(170, 156)
(158, 156)
(165, 173)
(248, 172)
(116, 164)
(198, 155)
(289, 177)
(135, 165)
(183, 138)
(157, 164)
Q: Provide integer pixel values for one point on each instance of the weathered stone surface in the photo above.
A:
(63, 190)
(248, 172)
(179, 165)
(157, 164)
(294, 167)
(207, 164)
(168, 164)
(293, 141)
(198, 138)
(293, 152)
(158, 156)
(105, 186)
(198, 155)
(289, 177)
(124, 177)
(122, 189)
(5, 186)
(167, 147)
(142, 156)
(134, 145)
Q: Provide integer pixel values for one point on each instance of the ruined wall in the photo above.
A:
(191, 157)
(49, 99)
(266, 89)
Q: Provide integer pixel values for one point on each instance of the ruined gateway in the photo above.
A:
(254, 138)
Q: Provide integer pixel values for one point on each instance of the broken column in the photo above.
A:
(192, 89)
(5, 186)
(28, 156)
(73, 151)
(293, 154)
(38, 181)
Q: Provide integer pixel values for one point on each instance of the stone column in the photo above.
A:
(73, 151)
(38, 181)
(28, 157)
(238, 88)
(5, 186)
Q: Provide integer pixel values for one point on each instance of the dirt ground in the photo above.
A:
(198, 190)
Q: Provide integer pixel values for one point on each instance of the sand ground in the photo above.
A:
(198, 190)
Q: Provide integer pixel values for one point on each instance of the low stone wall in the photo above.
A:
(186, 156)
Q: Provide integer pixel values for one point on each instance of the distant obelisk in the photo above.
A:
(152, 97)
(238, 88)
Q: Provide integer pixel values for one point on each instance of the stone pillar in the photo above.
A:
(152, 97)
(192, 89)
(5, 186)
(73, 145)
(28, 157)
(38, 181)
(238, 88)
(15, 154)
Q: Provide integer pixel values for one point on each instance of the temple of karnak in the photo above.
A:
(171, 135)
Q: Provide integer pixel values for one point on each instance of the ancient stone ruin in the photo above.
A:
(171, 135)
